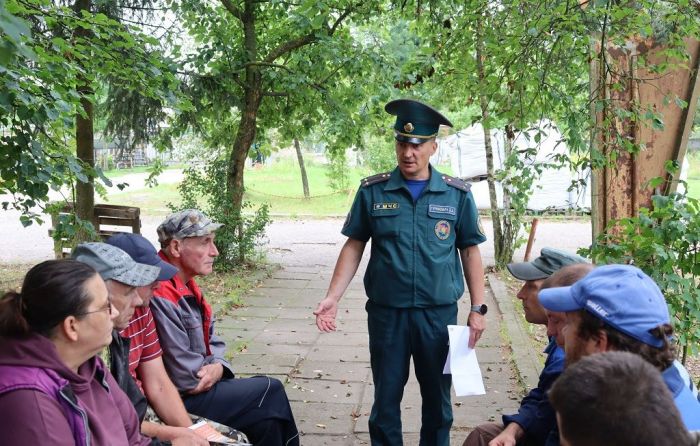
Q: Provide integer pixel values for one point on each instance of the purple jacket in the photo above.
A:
(42, 401)
(48, 382)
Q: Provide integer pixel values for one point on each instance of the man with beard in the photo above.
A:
(620, 308)
(535, 421)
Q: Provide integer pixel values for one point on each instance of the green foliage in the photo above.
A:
(665, 243)
(45, 62)
(380, 153)
(70, 230)
(535, 59)
(338, 172)
(294, 67)
(517, 176)
(238, 238)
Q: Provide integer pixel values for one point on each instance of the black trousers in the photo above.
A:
(257, 406)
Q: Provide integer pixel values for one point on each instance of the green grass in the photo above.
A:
(151, 200)
(694, 187)
(277, 184)
(116, 173)
(694, 175)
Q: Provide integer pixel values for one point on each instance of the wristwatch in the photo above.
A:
(481, 309)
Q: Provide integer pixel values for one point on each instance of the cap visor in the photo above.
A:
(410, 139)
(167, 271)
(140, 275)
(558, 299)
(526, 271)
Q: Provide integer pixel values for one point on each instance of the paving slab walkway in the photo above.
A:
(329, 380)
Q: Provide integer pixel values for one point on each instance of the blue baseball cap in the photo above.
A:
(142, 251)
(623, 296)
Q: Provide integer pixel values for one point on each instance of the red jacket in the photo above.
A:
(186, 331)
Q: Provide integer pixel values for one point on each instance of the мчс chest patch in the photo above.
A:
(442, 229)
(440, 209)
(384, 206)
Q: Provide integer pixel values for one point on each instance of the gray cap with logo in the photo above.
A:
(111, 263)
(187, 223)
(550, 261)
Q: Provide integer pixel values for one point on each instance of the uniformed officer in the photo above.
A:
(425, 233)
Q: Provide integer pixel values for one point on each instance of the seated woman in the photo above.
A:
(53, 387)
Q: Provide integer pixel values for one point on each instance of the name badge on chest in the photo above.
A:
(384, 206)
(440, 209)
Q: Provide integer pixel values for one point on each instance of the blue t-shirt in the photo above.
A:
(687, 404)
(416, 187)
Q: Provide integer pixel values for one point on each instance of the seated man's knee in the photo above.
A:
(276, 384)
(276, 387)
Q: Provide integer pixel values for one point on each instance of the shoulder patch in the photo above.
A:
(457, 183)
(374, 179)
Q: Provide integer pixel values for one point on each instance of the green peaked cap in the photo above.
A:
(415, 122)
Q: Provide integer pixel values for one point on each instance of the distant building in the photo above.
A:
(112, 154)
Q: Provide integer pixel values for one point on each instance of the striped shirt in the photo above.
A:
(143, 340)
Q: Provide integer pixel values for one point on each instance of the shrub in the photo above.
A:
(205, 188)
(663, 242)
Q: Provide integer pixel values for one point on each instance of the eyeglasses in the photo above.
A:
(107, 307)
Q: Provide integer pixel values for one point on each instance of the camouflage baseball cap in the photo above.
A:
(187, 223)
(111, 263)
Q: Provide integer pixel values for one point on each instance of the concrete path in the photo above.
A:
(330, 384)
(329, 377)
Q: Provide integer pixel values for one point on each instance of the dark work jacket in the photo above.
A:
(119, 367)
(535, 415)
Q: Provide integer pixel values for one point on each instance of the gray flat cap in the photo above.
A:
(111, 263)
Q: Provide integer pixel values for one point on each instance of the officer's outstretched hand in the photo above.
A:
(477, 325)
(325, 314)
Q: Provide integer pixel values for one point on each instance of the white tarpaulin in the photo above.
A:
(550, 191)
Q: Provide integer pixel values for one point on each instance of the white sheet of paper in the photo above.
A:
(462, 363)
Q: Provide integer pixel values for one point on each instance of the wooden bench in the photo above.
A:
(109, 219)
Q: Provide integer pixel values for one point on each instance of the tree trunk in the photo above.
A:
(85, 145)
(498, 239)
(507, 248)
(253, 94)
(247, 126)
(244, 139)
(242, 143)
(300, 158)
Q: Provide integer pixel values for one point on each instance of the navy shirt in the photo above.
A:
(414, 260)
(536, 415)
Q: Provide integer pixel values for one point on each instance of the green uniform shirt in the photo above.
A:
(414, 262)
